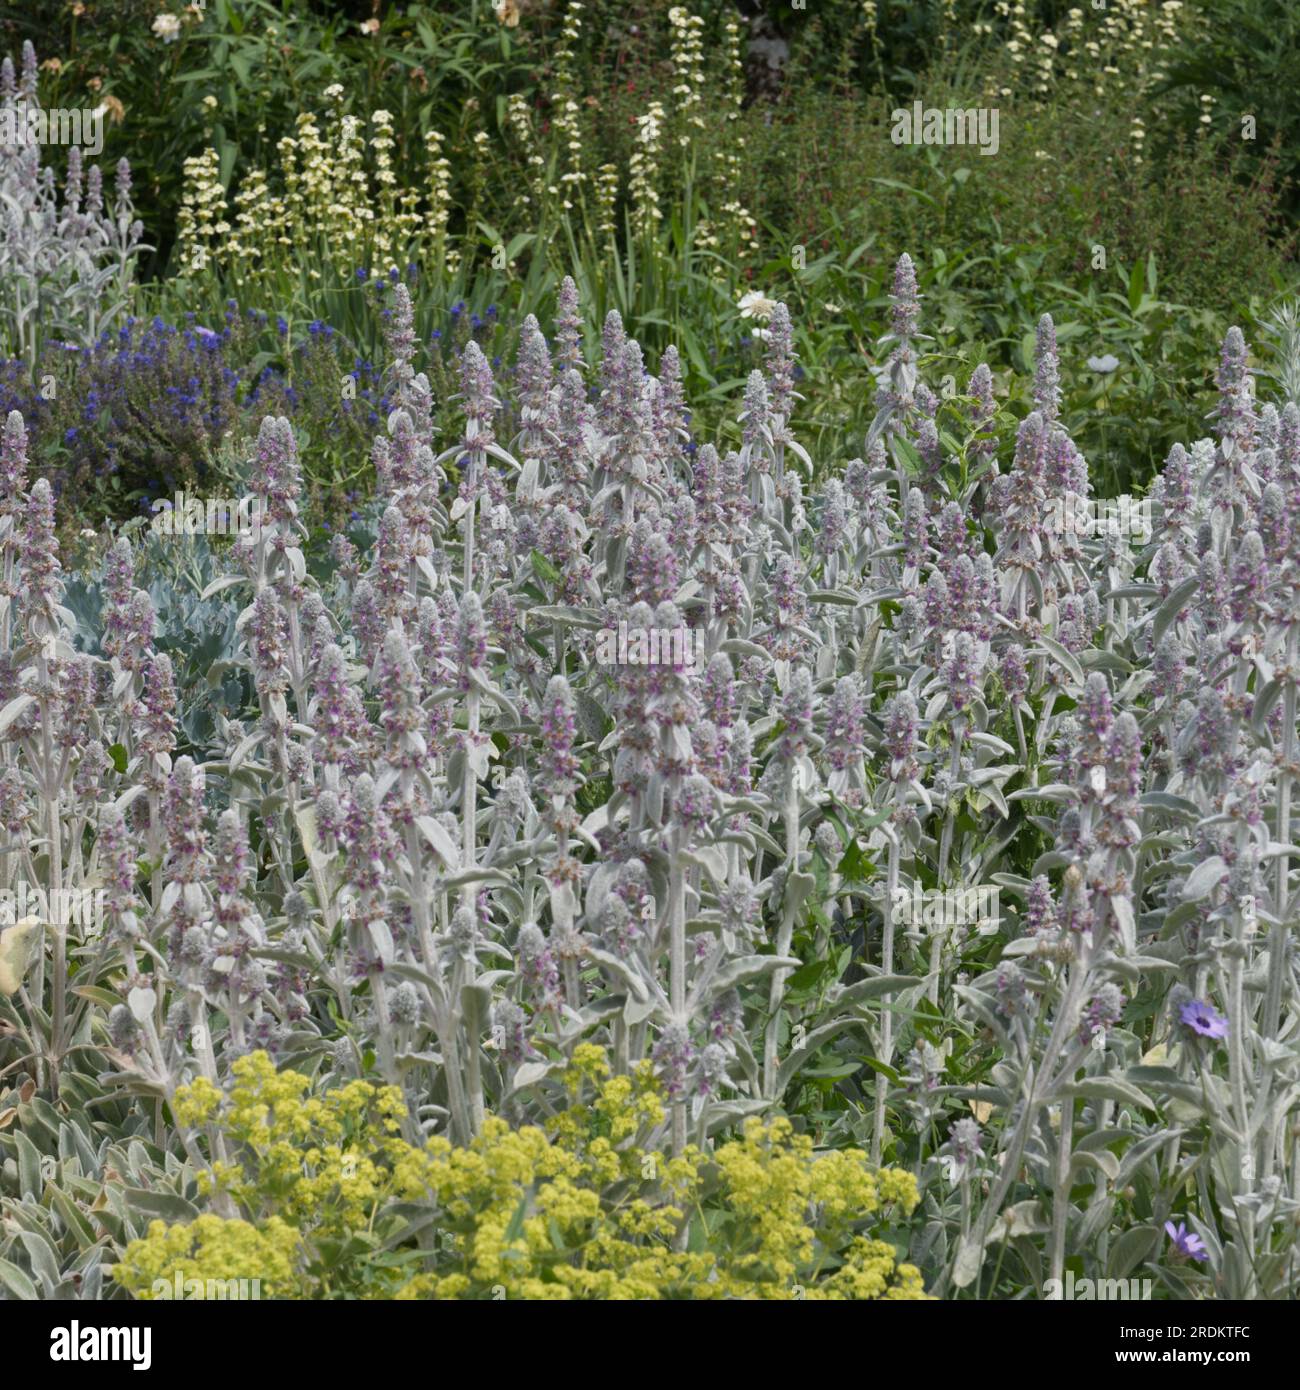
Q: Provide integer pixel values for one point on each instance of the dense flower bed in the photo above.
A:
(923, 802)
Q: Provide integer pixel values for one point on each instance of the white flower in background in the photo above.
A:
(1103, 364)
(167, 27)
(756, 306)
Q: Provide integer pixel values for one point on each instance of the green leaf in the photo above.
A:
(905, 452)
(167, 1205)
(1172, 606)
(543, 569)
(1112, 1088)
(516, 1227)
(1065, 657)
(1135, 287)
(17, 1282)
(29, 1167)
(1131, 1249)
(855, 866)
(883, 1068)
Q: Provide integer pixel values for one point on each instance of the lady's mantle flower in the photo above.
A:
(1202, 1019)
(1187, 1245)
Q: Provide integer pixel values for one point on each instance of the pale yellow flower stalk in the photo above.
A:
(408, 217)
(349, 208)
(350, 212)
(606, 198)
(201, 222)
(519, 119)
(567, 118)
(567, 123)
(439, 202)
(643, 170)
(257, 219)
(566, 52)
(481, 145)
(706, 239)
(316, 169)
(386, 230)
(1126, 40)
(736, 218)
(687, 41)
(287, 148)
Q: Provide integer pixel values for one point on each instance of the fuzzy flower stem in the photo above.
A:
(1061, 1195)
(1037, 1092)
(784, 935)
(677, 979)
(1278, 933)
(887, 1017)
(954, 769)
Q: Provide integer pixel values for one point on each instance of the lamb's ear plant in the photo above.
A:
(67, 264)
(613, 742)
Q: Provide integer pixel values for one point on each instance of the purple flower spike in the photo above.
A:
(906, 300)
(1047, 377)
(1201, 1018)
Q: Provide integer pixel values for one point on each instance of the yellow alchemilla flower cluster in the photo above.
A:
(587, 1208)
(210, 1248)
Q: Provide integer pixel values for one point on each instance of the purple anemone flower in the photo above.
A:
(1201, 1018)
(1186, 1244)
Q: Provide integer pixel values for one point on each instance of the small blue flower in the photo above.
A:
(1187, 1245)
(1203, 1019)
